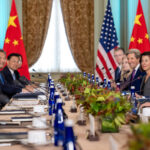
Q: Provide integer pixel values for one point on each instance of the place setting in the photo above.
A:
(38, 123)
(36, 138)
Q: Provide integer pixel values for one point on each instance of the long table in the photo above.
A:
(104, 143)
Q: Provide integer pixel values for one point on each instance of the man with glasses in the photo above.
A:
(118, 54)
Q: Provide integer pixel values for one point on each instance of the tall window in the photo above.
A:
(56, 55)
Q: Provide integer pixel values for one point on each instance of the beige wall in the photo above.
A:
(99, 8)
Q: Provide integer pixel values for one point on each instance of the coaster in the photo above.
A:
(91, 137)
(81, 122)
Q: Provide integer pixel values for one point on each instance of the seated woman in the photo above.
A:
(125, 74)
(126, 71)
(145, 85)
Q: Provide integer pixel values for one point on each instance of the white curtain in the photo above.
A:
(56, 55)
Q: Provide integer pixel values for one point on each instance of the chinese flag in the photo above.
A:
(14, 41)
(140, 38)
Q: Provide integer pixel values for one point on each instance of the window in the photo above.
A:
(56, 55)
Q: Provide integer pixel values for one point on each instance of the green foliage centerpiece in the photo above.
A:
(110, 106)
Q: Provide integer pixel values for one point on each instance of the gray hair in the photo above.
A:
(136, 52)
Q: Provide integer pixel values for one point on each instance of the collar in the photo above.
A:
(11, 71)
(137, 67)
(120, 66)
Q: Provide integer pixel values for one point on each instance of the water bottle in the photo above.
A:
(84, 74)
(108, 84)
(133, 91)
(133, 100)
(59, 125)
(93, 81)
(92, 76)
(69, 143)
(51, 100)
(97, 79)
(56, 96)
(52, 83)
(105, 83)
(49, 79)
(118, 85)
(89, 76)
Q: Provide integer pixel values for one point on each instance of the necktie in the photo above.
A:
(118, 74)
(1, 79)
(14, 77)
(133, 74)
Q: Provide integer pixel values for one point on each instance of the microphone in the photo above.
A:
(40, 75)
(126, 72)
(128, 82)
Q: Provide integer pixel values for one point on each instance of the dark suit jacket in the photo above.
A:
(8, 77)
(117, 74)
(8, 89)
(137, 80)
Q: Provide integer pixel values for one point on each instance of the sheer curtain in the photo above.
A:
(56, 55)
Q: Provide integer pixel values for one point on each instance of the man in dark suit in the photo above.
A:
(133, 56)
(118, 54)
(11, 74)
(10, 71)
(6, 90)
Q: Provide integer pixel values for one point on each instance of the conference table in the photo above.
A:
(105, 141)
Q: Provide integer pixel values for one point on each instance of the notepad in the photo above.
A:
(4, 136)
(21, 119)
(10, 112)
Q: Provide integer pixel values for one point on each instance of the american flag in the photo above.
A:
(105, 62)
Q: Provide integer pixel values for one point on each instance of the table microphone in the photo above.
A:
(125, 84)
(39, 74)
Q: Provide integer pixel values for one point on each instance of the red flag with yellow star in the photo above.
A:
(140, 38)
(14, 41)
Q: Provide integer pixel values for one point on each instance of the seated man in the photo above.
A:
(118, 54)
(6, 90)
(133, 56)
(11, 74)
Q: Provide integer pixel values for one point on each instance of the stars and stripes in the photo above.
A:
(105, 63)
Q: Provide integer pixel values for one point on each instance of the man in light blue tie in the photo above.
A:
(6, 90)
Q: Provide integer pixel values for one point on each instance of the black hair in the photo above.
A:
(13, 54)
(144, 54)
